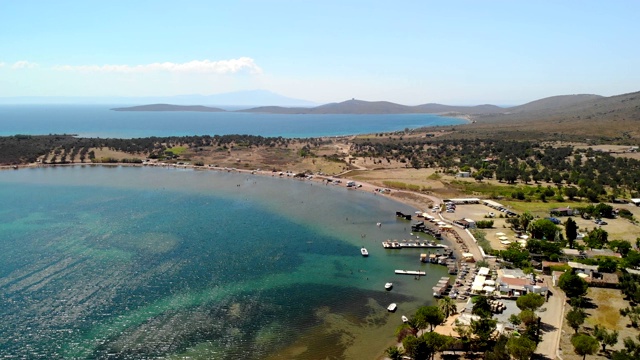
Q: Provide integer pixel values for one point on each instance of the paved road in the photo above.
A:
(552, 319)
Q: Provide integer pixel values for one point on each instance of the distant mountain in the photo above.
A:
(168, 107)
(247, 98)
(377, 107)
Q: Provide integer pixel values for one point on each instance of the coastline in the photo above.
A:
(417, 201)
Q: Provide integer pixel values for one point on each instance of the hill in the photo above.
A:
(377, 107)
(169, 107)
(553, 102)
(614, 118)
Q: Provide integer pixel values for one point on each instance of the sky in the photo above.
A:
(409, 52)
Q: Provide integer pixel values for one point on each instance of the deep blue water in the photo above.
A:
(99, 121)
(129, 263)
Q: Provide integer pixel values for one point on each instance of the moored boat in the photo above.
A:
(364, 252)
(388, 286)
(404, 319)
(392, 307)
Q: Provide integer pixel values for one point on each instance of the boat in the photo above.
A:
(404, 319)
(364, 252)
(388, 286)
(392, 307)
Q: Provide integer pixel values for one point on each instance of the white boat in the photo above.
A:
(364, 252)
(388, 286)
(404, 319)
(392, 307)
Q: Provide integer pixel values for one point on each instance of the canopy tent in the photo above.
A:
(505, 242)
(489, 289)
(483, 271)
(489, 282)
(583, 275)
(503, 238)
(476, 287)
(500, 234)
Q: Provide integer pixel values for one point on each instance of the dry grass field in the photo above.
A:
(605, 313)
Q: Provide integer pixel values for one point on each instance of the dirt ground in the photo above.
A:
(478, 212)
(605, 313)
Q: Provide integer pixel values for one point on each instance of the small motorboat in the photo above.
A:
(388, 286)
(364, 252)
(404, 319)
(392, 307)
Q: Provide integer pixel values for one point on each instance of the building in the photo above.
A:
(561, 211)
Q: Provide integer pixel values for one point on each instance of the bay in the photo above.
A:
(131, 262)
(100, 121)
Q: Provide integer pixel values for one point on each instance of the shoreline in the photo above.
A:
(410, 200)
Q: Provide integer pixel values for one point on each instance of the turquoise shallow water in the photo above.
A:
(99, 121)
(123, 262)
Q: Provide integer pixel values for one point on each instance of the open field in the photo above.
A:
(607, 302)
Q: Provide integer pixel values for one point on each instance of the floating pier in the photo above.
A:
(389, 244)
(410, 272)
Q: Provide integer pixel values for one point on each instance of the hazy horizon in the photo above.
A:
(467, 53)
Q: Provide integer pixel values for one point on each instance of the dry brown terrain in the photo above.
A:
(606, 314)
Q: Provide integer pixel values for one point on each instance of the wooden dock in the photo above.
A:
(412, 244)
(410, 272)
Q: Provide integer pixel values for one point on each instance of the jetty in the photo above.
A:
(410, 272)
(394, 244)
(404, 216)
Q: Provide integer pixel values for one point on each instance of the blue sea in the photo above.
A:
(100, 121)
(131, 263)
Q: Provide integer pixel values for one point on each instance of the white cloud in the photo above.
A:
(23, 64)
(1, 64)
(196, 66)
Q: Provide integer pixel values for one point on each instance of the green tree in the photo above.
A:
(483, 329)
(499, 350)
(605, 337)
(597, 238)
(464, 334)
(530, 301)
(394, 353)
(521, 348)
(575, 317)
(515, 319)
(436, 342)
(584, 345)
(604, 210)
(571, 192)
(481, 307)
(431, 315)
(572, 285)
(447, 306)
(607, 265)
(543, 229)
(528, 317)
(571, 231)
(621, 246)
